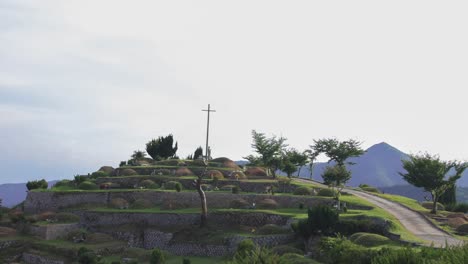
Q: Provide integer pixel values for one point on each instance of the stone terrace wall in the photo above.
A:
(99, 219)
(52, 201)
(53, 231)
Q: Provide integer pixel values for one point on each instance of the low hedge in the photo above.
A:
(87, 185)
(369, 239)
(326, 192)
(303, 190)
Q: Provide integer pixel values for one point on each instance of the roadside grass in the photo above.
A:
(408, 202)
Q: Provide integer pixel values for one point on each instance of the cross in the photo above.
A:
(208, 131)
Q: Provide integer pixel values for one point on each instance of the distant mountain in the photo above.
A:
(14, 193)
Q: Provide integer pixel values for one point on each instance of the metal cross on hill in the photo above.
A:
(207, 151)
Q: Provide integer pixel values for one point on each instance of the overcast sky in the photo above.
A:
(85, 83)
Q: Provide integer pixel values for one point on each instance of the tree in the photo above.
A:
(312, 157)
(288, 166)
(270, 151)
(434, 175)
(449, 197)
(42, 184)
(198, 153)
(321, 220)
(161, 148)
(338, 152)
(138, 154)
(336, 177)
(198, 186)
(299, 159)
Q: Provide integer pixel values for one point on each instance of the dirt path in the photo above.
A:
(411, 220)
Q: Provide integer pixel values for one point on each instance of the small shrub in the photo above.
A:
(186, 261)
(271, 229)
(284, 249)
(369, 239)
(66, 218)
(235, 189)
(87, 185)
(428, 205)
(42, 184)
(351, 226)
(245, 247)
(149, 184)
(301, 206)
(79, 179)
(141, 204)
(461, 207)
(239, 204)
(123, 163)
(118, 203)
(326, 192)
(303, 190)
(63, 183)
(87, 256)
(370, 189)
(99, 174)
(128, 172)
(171, 185)
(267, 204)
(340, 250)
(178, 187)
(157, 257)
(183, 172)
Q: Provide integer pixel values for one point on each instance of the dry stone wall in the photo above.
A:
(53, 231)
(53, 201)
(37, 259)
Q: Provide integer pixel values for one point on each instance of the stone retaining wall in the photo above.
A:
(254, 219)
(52, 201)
(37, 259)
(53, 231)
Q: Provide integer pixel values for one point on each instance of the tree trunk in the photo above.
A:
(299, 171)
(201, 193)
(434, 204)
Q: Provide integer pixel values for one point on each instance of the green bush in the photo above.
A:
(99, 174)
(284, 249)
(351, 226)
(303, 190)
(235, 189)
(459, 207)
(171, 185)
(87, 256)
(326, 192)
(157, 257)
(63, 183)
(369, 239)
(370, 189)
(79, 179)
(340, 250)
(178, 187)
(321, 219)
(267, 204)
(186, 261)
(42, 184)
(256, 256)
(270, 229)
(149, 184)
(245, 247)
(239, 204)
(87, 185)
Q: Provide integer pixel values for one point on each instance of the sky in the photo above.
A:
(85, 83)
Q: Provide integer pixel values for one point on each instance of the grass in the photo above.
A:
(408, 202)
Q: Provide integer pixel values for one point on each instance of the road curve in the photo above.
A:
(413, 221)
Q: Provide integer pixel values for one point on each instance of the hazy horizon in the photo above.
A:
(85, 83)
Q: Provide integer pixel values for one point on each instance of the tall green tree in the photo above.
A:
(299, 159)
(138, 154)
(162, 148)
(433, 174)
(449, 196)
(198, 153)
(269, 150)
(338, 152)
